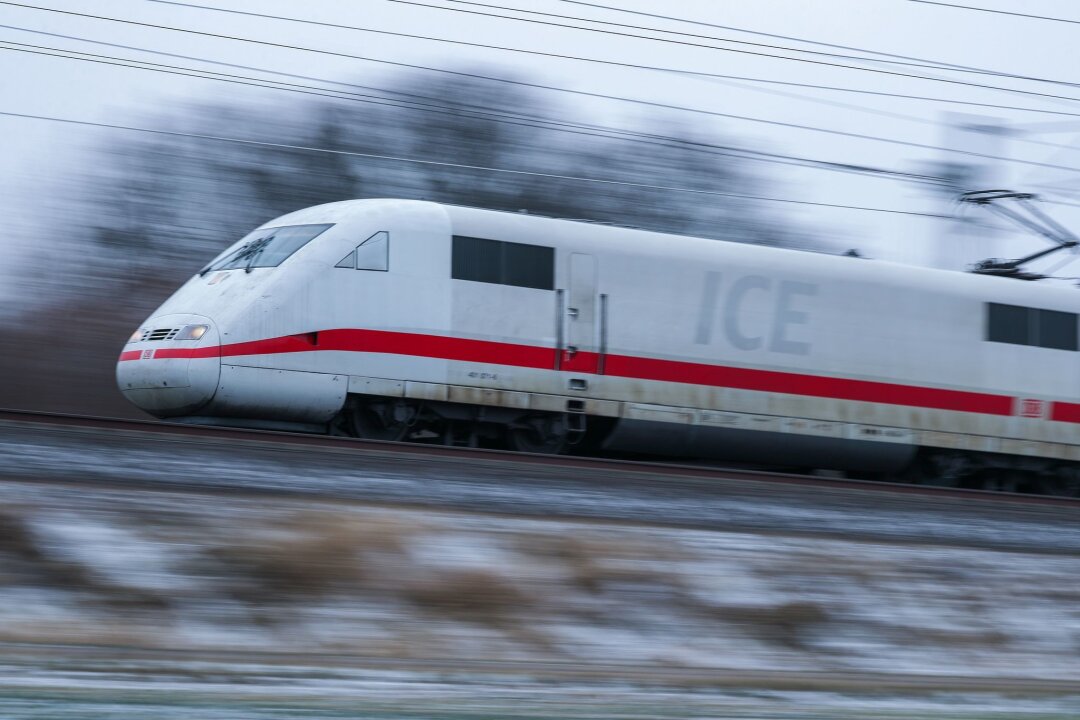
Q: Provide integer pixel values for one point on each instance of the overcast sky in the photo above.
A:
(35, 153)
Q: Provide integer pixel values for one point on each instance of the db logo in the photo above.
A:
(147, 355)
(1031, 408)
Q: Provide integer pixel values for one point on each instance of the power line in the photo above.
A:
(905, 61)
(725, 77)
(876, 111)
(701, 23)
(503, 48)
(745, 118)
(813, 86)
(901, 96)
(627, 136)
(495, 116)
(747, 52)
(430, 38)
(237, 66)
(518, 50)
(460, 166)
(998, 12)
(739, 78)
(342, 26)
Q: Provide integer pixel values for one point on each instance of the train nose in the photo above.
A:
(171, 365)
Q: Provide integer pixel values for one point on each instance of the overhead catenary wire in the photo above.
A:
(819, 43)
(415, 36)
(995, 73)
(710, 76)
(876, 111)
(519, 50)
(342, 26)
(495, 116)
(997, 12)
(739, 78)
(460, 166)
(713, 75)
(906, 62)
(775, 123)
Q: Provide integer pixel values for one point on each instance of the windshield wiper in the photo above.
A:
(254, 250)
(249, 252)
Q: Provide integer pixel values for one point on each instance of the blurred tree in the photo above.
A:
(155, 208)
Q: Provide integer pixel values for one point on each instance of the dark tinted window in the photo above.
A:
(476, 259)
(1031, 326)
(1056, 330)
(504, 263)
(530, 266)
(1008, 324)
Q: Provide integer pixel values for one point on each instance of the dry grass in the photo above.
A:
(476, 595)
(597, 566)
(791, 625)
(314, 554)
(16, 538)
(30, 563)
(328, 554)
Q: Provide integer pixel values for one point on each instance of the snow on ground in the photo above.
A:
(218, 573)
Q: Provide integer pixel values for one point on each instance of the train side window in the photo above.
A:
(531, 266)
(372, 254)
(1056, 329)
(503, 263)
(476, 259)
(1032, 326)
(1008, 324)
(348, 262)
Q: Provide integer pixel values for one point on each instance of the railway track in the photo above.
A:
(681, 677)
(134, 455)
(325, 443)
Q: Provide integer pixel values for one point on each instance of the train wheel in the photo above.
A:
(380, 420)
(541, 434)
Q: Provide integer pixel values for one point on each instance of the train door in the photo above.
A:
(582, 351)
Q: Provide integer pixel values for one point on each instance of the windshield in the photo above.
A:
(268, 247)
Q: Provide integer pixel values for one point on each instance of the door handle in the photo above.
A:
(572, 312)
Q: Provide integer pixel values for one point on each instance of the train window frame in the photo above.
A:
(502, 262)
(1032, 327)
(257, 248)
(376, 258)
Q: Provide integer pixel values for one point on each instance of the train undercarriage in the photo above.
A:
(461, 425)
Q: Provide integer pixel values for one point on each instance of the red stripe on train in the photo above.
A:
(809, 385)
(640, 368)
(1065, 412)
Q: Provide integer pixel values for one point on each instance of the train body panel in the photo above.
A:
(679, 340)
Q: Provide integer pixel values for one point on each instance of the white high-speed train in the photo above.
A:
(411, 320)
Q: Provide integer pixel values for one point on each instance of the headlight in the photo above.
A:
(136, 336)
(191, 332)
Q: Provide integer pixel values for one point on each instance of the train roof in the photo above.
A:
(541, 229)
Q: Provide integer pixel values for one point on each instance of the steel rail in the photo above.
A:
(554, 670)
(512, 459)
